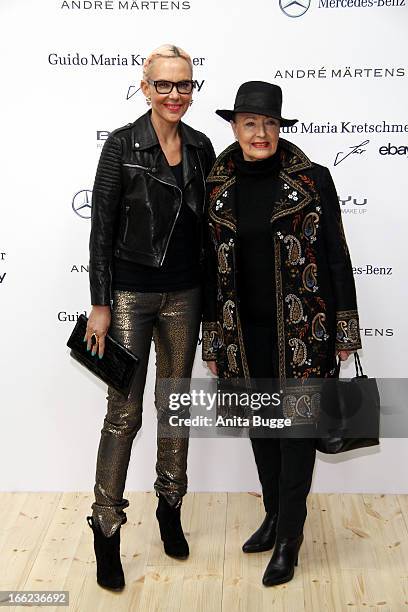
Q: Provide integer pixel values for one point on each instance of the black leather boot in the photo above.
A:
(264, 537)
(171, 531)
(281, 567)
(109, 572)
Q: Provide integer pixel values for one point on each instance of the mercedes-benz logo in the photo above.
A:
(81, 203)
(294, 8)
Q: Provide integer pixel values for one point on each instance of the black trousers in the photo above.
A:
(285, 465)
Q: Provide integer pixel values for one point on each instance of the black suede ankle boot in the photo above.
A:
(109, 572)
(264, 537)
(281, 567)
(171, 531)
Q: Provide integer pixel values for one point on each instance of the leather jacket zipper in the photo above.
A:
(127, 208)
(137, 166)
(177, 214)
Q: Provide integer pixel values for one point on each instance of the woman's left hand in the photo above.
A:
(343, 355)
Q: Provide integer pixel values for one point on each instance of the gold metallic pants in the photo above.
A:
(173, 320)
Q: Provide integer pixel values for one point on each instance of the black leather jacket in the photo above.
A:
(136, 200)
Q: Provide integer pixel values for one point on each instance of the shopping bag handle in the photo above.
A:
(357, 363)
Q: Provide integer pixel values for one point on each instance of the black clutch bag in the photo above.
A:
(117, 366)
(350, 413)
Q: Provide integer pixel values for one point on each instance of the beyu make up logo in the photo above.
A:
(101, 136)
(352, 205)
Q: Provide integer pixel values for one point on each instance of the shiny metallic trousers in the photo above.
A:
(173, 320)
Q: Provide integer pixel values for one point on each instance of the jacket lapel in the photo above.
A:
(293, 195)
(292, 198)
(221, 186)
(192, 143)
(222, 207)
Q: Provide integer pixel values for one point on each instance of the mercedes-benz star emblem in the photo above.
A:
(81, 203)
(294, 8)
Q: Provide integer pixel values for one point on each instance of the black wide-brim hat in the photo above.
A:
(259, 98)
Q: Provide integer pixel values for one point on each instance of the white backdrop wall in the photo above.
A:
(70, 72)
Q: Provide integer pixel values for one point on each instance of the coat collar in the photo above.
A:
(293, 160)
(222, 178)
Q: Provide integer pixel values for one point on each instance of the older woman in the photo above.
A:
(280, 299)
(145, 251)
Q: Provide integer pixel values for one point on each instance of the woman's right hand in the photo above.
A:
(98, 323)
(212, 366)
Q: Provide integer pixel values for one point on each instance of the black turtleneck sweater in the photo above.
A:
(257, 191)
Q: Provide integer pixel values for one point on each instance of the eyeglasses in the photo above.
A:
(166, 87)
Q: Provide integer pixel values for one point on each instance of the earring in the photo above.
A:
(191, 102)
(148, 101)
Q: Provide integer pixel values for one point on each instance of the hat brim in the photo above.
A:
(228, 115)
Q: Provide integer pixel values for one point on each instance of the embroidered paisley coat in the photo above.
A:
(315, 292)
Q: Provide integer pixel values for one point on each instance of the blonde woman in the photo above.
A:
(145, 259)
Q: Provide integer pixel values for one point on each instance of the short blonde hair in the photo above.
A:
(170, 51)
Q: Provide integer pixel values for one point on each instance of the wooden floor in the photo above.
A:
(354, 557)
